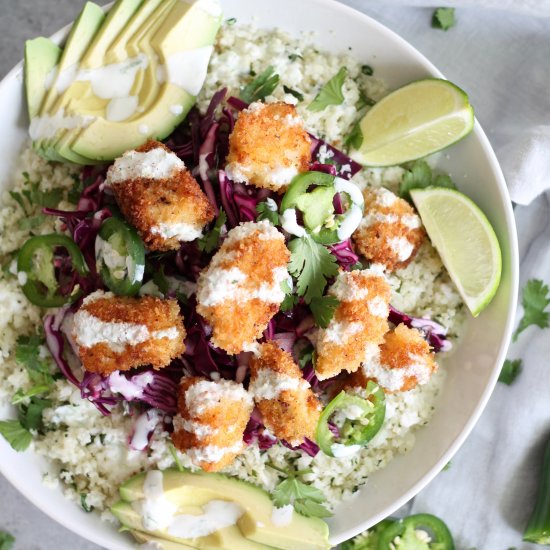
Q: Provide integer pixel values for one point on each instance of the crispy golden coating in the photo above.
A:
(240, 313)
(152, 313)
(391, 232)
(405, 349)
(293, 414)
(146, 203)
(268, 146)
(211, 421)
(358, 325)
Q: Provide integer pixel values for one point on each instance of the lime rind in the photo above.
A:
(476, 302)
(395, 130)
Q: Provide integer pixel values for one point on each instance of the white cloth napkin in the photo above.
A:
(539, 8)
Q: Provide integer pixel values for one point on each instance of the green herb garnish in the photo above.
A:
(420, 176)
(27, 354)
(311, 264)
(265, 212)
(367, 69)
(294, 56)
(295, 93)
(262, 86)
(331, 93)
(306, 499)
(6, 541)
(211, 240)
(355, 138)
(443, 18)
(15, 434)
(85, 506)
(510, 371)
(323, 309)
(231, 21)
(535, 299)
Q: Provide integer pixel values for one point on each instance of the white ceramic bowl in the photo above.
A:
(472, 370)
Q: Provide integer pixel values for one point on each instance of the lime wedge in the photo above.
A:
(414, 121)
(465, 240)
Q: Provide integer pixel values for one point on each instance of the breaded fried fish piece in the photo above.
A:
(390, 232)
(240, 290)
(159, 196)
(405, 361)
(211, 420)
(290, 409)
(120, 333)
(268, 146)
(358, 325)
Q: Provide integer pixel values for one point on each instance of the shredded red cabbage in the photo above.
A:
(435, 334)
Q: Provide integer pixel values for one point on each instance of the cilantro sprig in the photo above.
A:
(6, 541)
(262, 86)
(210, 241)
(443, 18)
(15, 434)
(311, 264)
(306, 499)
(267, 210)
(323, 309)
(510, 371)
(331, 93)
(420, 176)
(535, 300)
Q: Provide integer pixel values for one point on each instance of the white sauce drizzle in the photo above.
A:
(280, 517)
(343, 451)
(182, 231)
(121, 108)
(393, 379)
(145, 424)
(269, 384)
(44, 127)
(131, 388)
(289, 223)
(156, 510)
(154, 164)
(187, 69)
(205, 394)
(212, 453)
(340, 333)
(402, 247)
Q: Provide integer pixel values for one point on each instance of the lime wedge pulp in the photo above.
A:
(465, 240)
(414, 121)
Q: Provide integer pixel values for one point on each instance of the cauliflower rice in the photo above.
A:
(89, 452)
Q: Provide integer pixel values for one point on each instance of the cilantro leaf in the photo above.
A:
(355, 138)
(311, 264)
(443, 18)
(6, 541)
(306, 356)
(419, 176)
(30, 416)
(211, 240)
(323, 309)
(535, 299)
(85, 506)
(262, 86)
(27, 353)
(306, 499)
(311, 509)
(510, 371)
(267, 210)
(15, 434)
(330, 93)
(296, 94)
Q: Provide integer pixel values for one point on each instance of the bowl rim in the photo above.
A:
(335, 6)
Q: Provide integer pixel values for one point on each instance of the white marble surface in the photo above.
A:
(501, 60)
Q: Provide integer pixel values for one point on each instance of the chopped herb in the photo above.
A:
(443, 18)
(33, 196)
(510, 371)
(355, 138)
(174, 454)
(6, 541)
(262, 86)
(447, 466)
(31, 222)
(211, 240)
(330, 93)
(364, 101)
(296, 94)
(419, 176)
(306, 499)
(30, 416)
(311, 264)
(85, 506)
(231, 21)
(367, 69)
(15, 434)
(534, 300)
(27, 353)
(323, 309)
(266, 212)
(306, 356)
(294, 56)
(159, 278)
(76, 191)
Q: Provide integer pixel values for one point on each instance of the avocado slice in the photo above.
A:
(227, 538)
(256, 524)
(41, 58)
(144, 538)
(186, 28)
